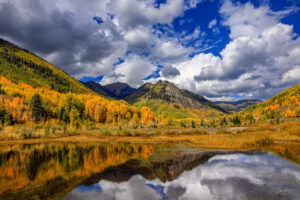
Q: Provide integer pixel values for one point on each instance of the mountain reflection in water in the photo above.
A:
(223, 176)
(145, 171)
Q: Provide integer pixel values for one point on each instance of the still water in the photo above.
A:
(72, 171)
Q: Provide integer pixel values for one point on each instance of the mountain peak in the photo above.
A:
(168, 92)
(119, 90)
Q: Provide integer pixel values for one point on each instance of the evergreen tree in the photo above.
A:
(2, 116)
(236, 120)
(8, 119)
(193, 124)
(202, 123)
(182, 124)
(36, 107)
(225, 121)
(63, 115)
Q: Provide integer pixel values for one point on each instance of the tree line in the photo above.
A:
(21, 104)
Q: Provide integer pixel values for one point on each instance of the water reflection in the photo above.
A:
(225, 176)
(144, 171)
(44, 171)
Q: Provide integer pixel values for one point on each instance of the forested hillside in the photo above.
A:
(32, 91)
(284, 105)
(23, 104)
(21, 66)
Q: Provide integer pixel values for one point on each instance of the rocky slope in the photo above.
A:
(169, 93)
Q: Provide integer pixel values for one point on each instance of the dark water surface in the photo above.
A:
(72, 171)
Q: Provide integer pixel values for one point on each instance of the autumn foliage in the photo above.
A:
(284, 105)
(20, 104)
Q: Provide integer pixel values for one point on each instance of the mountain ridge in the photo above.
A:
(237, 105)
(119, 90)
(162, 90)
(286, 104)
(168, 101)
(116, 90)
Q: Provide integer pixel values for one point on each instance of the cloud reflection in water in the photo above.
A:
(230, 176)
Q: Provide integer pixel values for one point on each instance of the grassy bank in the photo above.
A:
(282, 139)
(226, 137)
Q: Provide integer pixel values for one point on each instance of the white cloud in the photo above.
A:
(212, 23)
(261, 50)
(168, 50)
(139, 39)
(131, 13)
(64, 32)
(292, 75)
(221, 177)
(246, 20)
(131, 71)
(261, 58)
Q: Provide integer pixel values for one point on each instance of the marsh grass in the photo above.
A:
(223, 131)
(226, 137)
(264, 142)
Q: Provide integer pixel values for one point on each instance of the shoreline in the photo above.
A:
(220, 141)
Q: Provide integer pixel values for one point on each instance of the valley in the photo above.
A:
(149, 100)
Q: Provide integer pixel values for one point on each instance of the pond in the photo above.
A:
(73, 171)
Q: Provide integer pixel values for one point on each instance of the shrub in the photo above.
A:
(53, 129)
(182, 124)
(264, 142)
(199, 131)
(222, 131)
(127, 133)
(106, 132)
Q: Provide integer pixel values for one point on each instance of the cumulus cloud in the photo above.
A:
(292, 75)
(132, 13)
(132, 71)
(259, 60)
(139, 39)
(169, 71)
(88, 39)
(169, 50)
(85, 39)
(223, 176)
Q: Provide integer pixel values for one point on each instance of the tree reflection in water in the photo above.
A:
(145, 171)
(223, 176)
(45, 170)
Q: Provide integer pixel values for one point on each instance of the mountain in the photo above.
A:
(119, 90)
(237, 105)
(21, 66)
(139, 92)
(34, 91)
(168, 101)
(284, 105)
(96, 87)
(115, 90)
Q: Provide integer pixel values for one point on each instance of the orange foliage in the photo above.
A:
(289, 113)
(274, 107)
(147, 115)
(96, 108)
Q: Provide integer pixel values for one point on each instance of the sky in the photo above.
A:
(222, 49)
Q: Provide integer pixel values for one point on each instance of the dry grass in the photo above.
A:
(263, 135)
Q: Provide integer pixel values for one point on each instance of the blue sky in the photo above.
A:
(222, 49)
